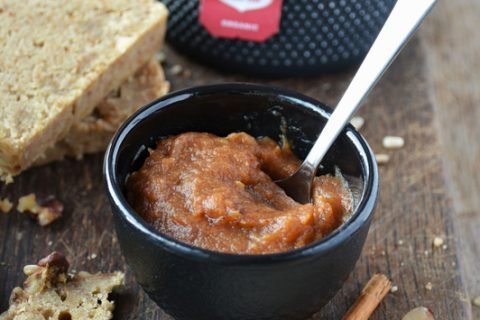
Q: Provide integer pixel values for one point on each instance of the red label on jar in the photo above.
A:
(255, 20)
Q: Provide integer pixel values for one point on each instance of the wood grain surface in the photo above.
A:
(452, 44)
(413, 207)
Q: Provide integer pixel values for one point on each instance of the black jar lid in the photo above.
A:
(316, 36)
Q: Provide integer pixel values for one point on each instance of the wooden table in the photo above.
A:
(452, 46)
(415, 203)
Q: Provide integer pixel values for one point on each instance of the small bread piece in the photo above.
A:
(94, 132)
(60, 60)
(50, 293)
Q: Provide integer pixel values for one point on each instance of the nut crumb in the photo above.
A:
(428, 286)
(420, 313)
(437, 242)
(382, 158)
(176, 70)
(392, 142)
(357, 122)
(476, 301)
(5, 205)
(44, 209)
(394, 289)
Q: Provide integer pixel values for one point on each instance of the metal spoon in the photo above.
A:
(404, 19)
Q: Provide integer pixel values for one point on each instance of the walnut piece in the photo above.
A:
(44, 209)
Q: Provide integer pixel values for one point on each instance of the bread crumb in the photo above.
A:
(43, 209)
(400, 242)
(476, 301)
(444, 247)
(437, 242)
(392, 142)
(357, 122)
(5, 205)
(394, 289)
(382, 158)
(428, 286)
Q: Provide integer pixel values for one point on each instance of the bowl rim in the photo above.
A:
(362, 214)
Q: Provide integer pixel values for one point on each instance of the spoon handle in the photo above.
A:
(404, 19)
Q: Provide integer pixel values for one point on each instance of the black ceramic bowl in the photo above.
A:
(194, 283)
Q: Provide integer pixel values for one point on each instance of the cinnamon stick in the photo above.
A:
(372, 294)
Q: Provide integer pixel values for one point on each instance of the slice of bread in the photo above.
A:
(59, 61)
(93, 133)
(50, 293)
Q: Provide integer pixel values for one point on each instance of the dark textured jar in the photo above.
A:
(315, 36)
